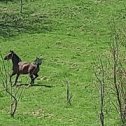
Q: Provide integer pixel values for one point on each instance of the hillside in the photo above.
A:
(69, 35)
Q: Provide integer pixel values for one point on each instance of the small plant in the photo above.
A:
(68, 95)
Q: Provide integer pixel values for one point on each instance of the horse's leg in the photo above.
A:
(16, 79)
(32, 79)
(11, 77)
(36, 75)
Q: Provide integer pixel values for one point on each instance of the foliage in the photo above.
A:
(13, 23)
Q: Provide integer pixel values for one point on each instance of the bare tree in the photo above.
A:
(21, 6)
(115, 76)
(101, 80)
(115, 53)
(118, 73)
(8, 88)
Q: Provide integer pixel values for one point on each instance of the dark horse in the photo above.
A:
(20, 67)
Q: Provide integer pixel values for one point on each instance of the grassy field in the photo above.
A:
(69, 35)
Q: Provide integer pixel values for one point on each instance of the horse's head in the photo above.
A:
(9, 55)
(38, 61)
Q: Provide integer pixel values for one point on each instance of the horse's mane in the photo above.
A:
(16, 58)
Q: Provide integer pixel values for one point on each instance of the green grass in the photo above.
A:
(79, 33)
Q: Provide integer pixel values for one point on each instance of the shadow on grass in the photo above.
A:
(35, 85)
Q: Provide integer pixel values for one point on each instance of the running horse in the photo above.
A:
(19, 67)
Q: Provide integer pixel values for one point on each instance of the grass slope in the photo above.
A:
(80, 32)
